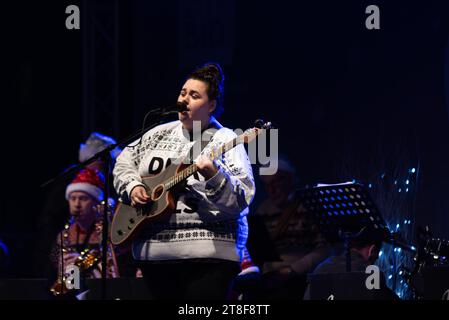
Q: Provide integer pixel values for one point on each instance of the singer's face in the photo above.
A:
(194, 94)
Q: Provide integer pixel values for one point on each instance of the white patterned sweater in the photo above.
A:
(210, 217)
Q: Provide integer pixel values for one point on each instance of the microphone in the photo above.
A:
(179, 107)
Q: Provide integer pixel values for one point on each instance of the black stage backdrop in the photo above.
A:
(349, 102)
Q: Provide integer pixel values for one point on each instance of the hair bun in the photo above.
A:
(214, 70)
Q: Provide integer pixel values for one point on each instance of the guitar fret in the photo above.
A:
(193, 168)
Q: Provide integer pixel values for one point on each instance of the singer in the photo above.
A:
(195, 252)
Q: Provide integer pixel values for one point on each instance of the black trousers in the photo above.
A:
(190, 279)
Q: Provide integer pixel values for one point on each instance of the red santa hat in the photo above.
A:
(247, 265)
(89, 181)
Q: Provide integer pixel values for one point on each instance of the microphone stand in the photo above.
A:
(105, 157)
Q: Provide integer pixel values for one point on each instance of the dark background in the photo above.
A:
(349, 102)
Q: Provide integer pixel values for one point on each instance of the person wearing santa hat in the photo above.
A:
(55, 208)
(83, 196)
(83, 232)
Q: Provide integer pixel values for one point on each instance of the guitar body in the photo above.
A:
(128, 221)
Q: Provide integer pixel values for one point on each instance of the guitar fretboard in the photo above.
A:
(187, 172)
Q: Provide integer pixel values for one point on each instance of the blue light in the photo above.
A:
(413, 170)
(399, 249)
(380, 253)
(413, 248)
(399, 190)
(397, 226)
(390, 276)
(406, 190)
(370, 185)
(395, 181)
(405, 221)
(407, 182)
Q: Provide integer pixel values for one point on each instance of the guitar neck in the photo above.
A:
(187, 172)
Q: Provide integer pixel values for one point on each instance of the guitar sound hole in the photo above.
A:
(132, 220)
(157, 192)
(120, 233)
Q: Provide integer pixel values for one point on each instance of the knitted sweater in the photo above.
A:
(210, 216)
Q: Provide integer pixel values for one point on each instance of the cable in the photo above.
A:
(62, 261)
(142, 132)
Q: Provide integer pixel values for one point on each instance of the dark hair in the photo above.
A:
(211, 74)
(368, 237)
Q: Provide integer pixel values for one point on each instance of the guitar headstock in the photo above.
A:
(259, 126)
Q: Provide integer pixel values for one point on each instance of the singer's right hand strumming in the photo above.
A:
(139, 196)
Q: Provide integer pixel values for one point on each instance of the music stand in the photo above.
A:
(343, 212)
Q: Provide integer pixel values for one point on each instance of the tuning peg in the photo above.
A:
(268, 125)
(260, 124)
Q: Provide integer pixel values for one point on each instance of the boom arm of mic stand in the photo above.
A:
(78, 167)
(395, 240)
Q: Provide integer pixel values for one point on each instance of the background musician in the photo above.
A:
(82, 236)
